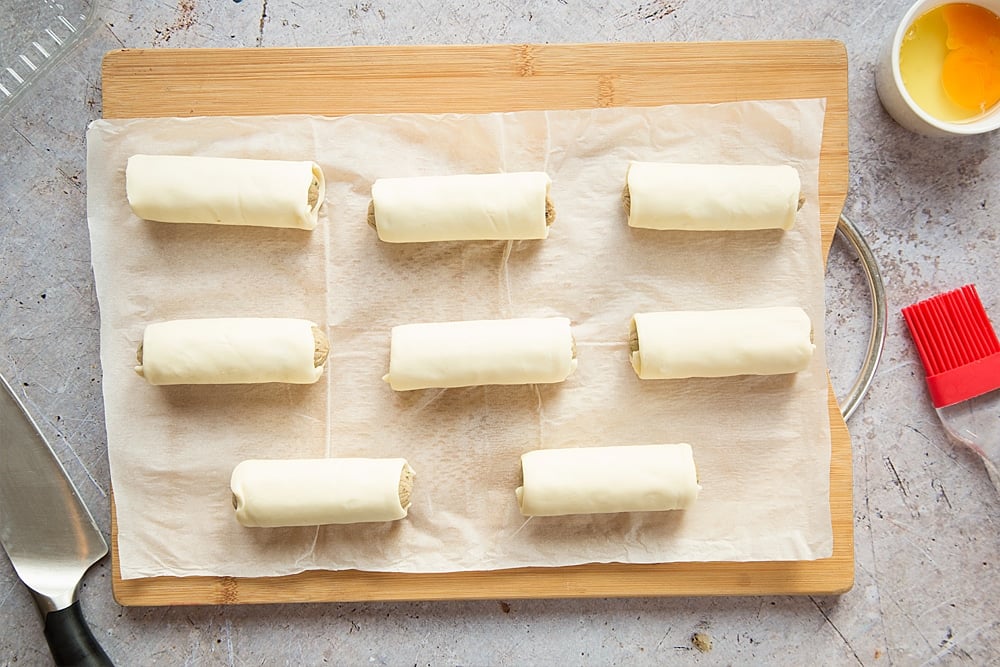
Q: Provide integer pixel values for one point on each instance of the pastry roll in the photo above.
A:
(225, 191)
(600, 480)
(232, 351)
(464, 354)
(313, 492)
(711, 197)
(717, 343)
(462, 208)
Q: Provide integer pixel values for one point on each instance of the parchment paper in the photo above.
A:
(762, 444)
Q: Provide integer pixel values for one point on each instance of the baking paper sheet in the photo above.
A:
(762, 444)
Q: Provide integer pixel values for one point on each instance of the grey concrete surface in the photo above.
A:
(926, 517)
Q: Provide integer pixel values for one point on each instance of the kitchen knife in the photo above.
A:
(48, 533)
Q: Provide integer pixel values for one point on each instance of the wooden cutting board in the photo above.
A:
(478, 79)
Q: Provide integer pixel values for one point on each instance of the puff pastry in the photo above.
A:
(711, 197)
(225, 191)
(464, 207)
(601, 480)
(236, 350)
(718, 343)
(477, 352)
(311, 492)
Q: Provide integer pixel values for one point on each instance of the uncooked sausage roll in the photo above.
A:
(711, 197)
(225, 191)
(718, 343)
(312, 492)
(232, 351)
(465, 207)
(600, 480)
(465, 354)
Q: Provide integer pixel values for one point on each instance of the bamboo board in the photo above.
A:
(479, 79)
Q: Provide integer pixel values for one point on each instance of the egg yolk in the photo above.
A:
(971, 71)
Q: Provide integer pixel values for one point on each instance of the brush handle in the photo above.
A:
(976, 424)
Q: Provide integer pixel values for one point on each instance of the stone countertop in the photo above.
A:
(926, 525)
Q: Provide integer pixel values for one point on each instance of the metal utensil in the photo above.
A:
(876, 339)
(47, 532)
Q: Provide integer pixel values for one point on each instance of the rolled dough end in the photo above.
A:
(313, 193)
(550, 211)
(138, 357)
(406, 476)
(314, 198)
(633, 346)
(372, 222)
(627, 200)
(322, 347)
(317, 190)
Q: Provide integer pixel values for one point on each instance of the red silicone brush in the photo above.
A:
(961, 356)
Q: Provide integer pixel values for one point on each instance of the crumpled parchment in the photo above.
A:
(762, 444)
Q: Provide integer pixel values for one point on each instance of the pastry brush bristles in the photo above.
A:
(951, 330)
(957, 345)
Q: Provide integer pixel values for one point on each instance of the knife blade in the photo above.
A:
(47, 532)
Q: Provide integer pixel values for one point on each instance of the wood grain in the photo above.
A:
(478, 79)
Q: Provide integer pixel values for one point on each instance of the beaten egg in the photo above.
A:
(950, 61)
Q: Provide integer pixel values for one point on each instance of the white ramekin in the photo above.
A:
(897, 100)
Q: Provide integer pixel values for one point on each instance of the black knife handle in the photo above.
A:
(71, 641)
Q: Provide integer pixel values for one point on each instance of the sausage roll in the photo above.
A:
(711, 197)
(464, 354)
(718, 343)
(232, 351)
(601, 480)
(225, 191)
(465, 207)
(311, 492)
